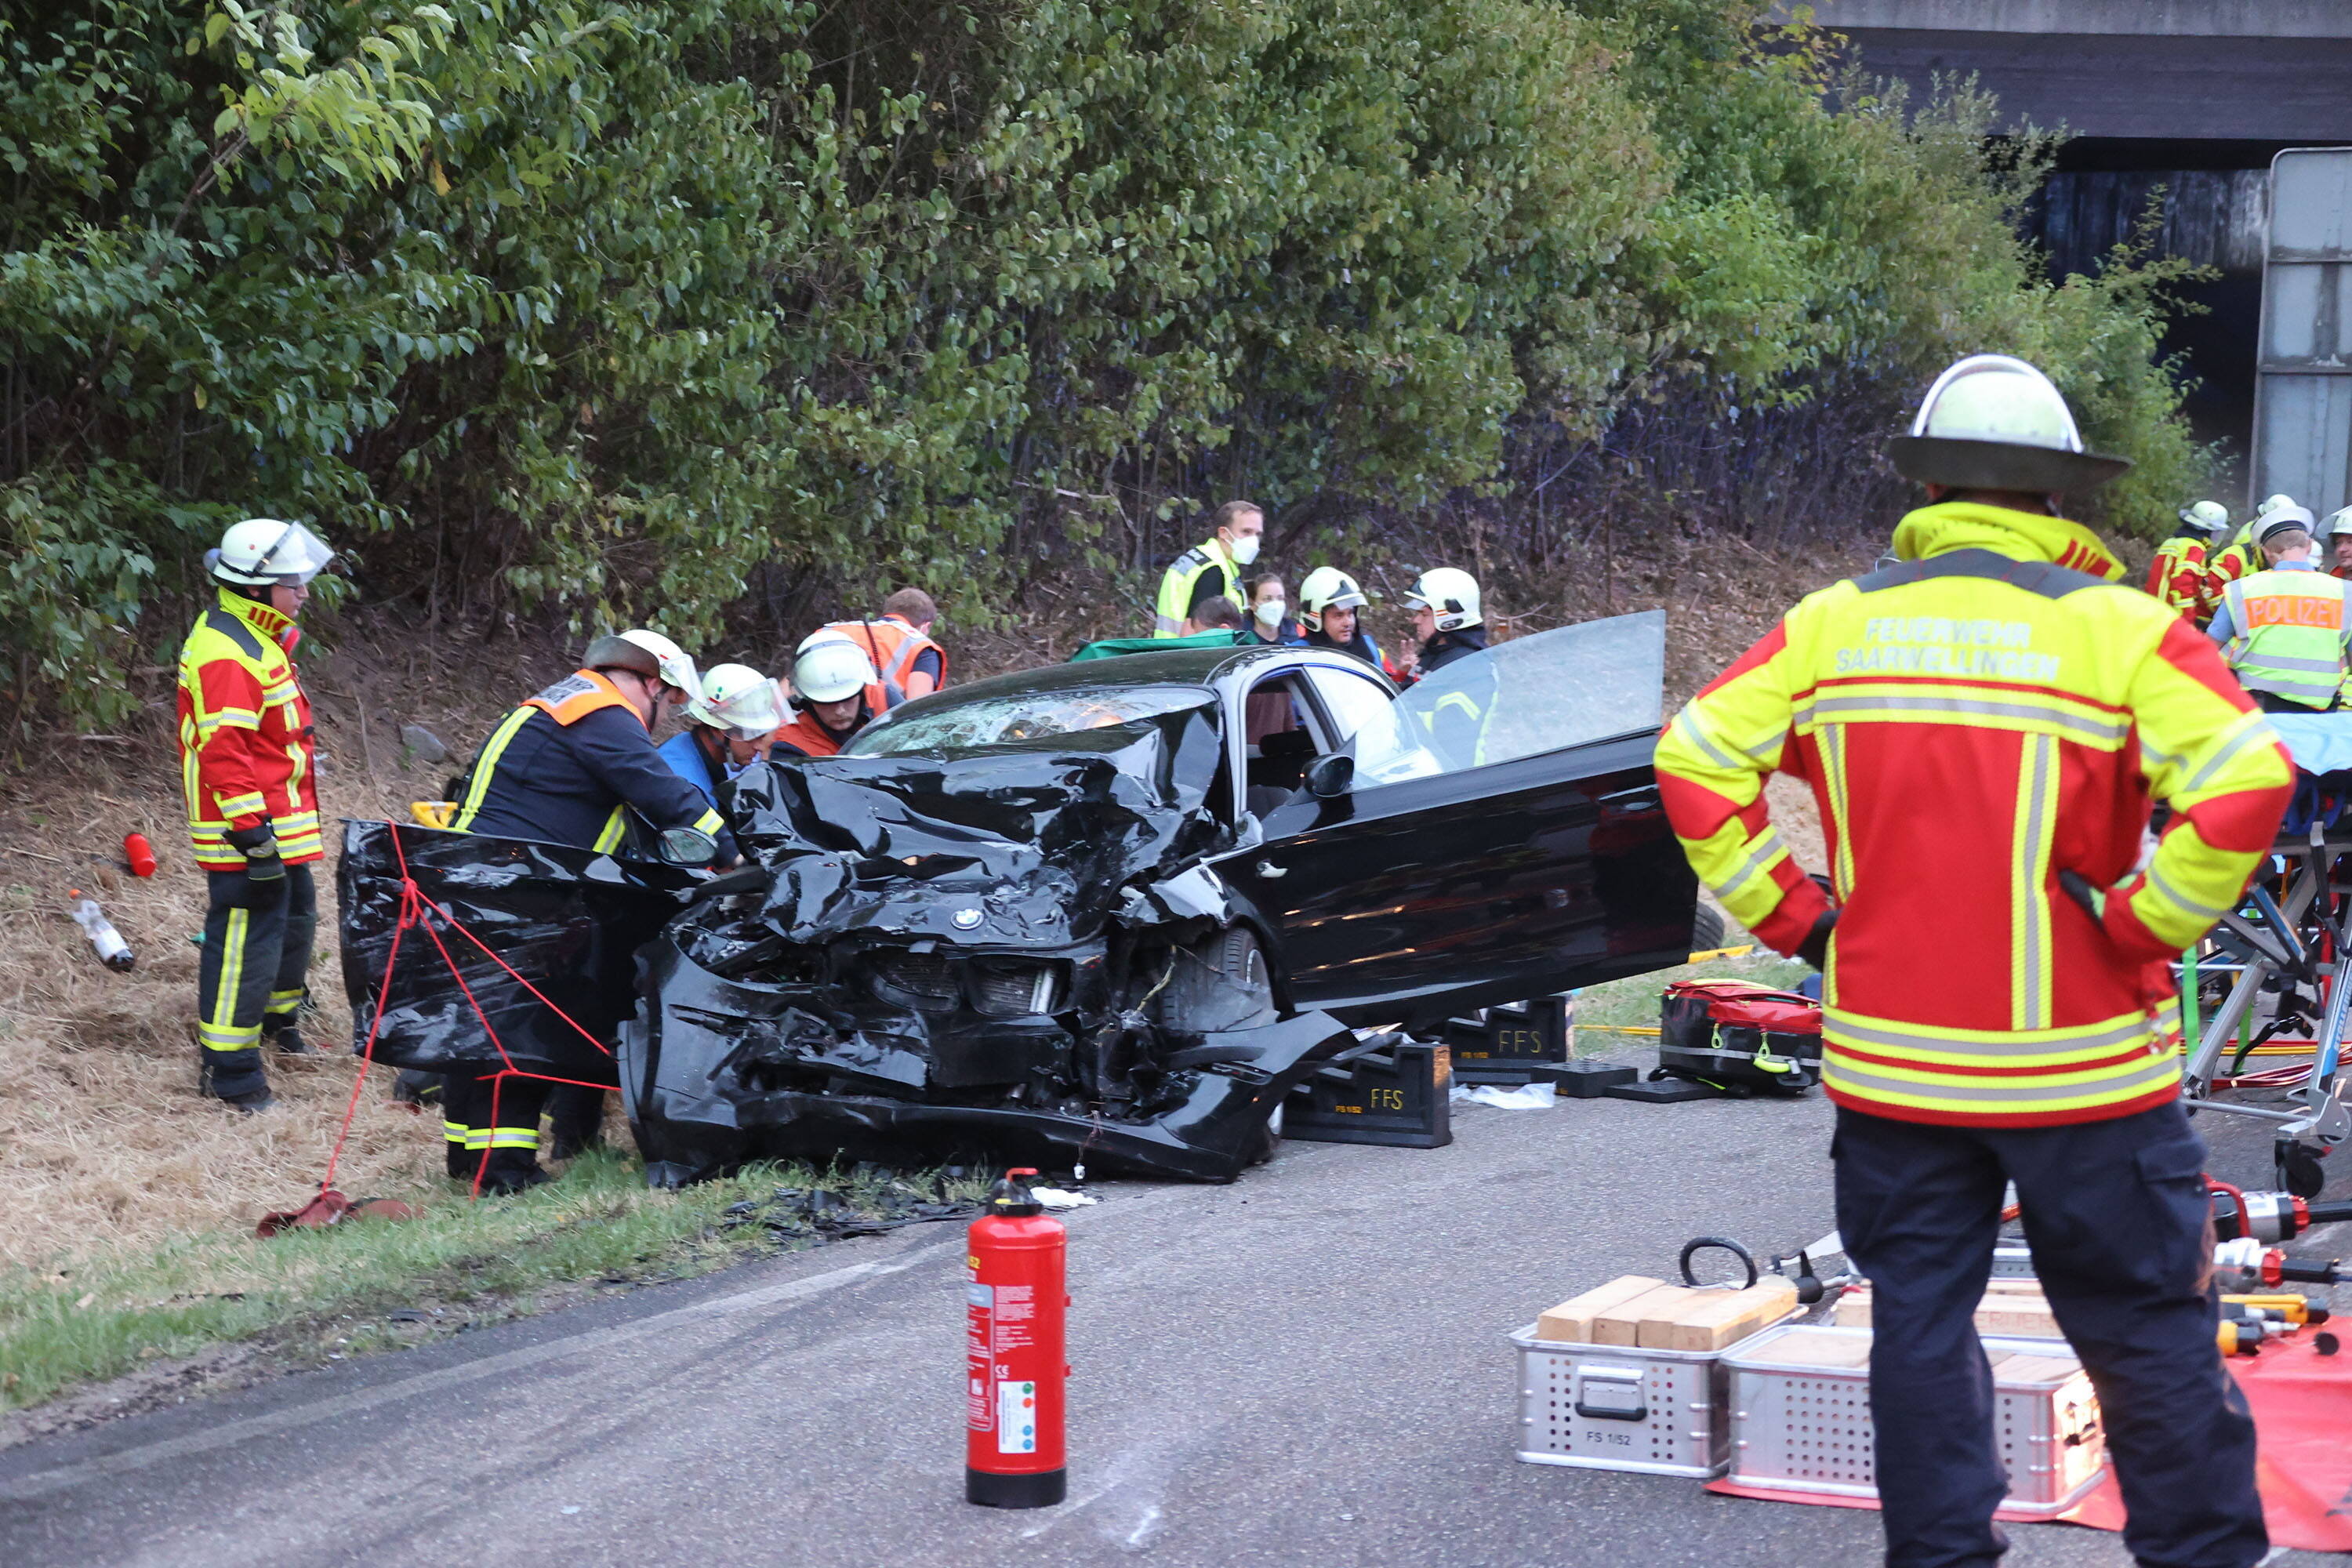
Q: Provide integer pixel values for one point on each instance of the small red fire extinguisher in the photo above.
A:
(1012, 1442)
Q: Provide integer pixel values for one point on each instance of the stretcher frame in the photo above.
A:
(2277, 949)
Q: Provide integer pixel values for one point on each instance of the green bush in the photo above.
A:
(638, 307)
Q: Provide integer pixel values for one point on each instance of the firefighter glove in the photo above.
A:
(2078, 888)
(259, 844)
(1815, 949)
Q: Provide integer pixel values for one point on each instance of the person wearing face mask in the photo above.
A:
(1269, 616)
(1327, 604)
(1210, 570)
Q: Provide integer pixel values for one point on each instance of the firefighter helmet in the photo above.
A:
(1448, 592)
(831, 670)
(737, 700)
(1991, 422)
(2272, 503)
(2205, 517)
(1327, 588)
(648, 654)
(264, 552)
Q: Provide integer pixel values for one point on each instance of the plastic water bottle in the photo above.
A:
(112, 951)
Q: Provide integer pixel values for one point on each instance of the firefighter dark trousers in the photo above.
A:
(2116, 1214)
(250, 980)
(508, 1133)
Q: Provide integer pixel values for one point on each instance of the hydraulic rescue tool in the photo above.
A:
(2255, 1264)
(2268, 1216)
(1012, 1395)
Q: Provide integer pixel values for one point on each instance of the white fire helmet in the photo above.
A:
(2205, 516)
(1994, 422)
(1451, 593)
(830, 667)
(264, 553)
(737, 702)
(1327, 588)
(649, 653)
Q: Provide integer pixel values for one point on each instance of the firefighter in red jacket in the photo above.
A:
(1985, 724)
(2178, 576)
(253, 802)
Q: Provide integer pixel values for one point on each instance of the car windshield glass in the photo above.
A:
(1541, 693)
(1024, 716)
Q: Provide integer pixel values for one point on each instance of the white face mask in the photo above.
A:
(1269, 611)
(1244, 549)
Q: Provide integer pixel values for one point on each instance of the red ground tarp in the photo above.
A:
(2301, 1403)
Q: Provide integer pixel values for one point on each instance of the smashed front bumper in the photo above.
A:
(716, 1072)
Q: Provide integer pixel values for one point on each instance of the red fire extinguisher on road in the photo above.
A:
(1012, 1442)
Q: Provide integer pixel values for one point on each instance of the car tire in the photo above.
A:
(1220, 984)
(1707, 930)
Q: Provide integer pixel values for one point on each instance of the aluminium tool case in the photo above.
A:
(1740, 1036)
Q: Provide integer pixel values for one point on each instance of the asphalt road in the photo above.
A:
(1308, 1367)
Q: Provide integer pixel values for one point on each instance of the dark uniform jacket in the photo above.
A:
(569, 765)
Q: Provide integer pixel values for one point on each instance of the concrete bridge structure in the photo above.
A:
(2192, 97)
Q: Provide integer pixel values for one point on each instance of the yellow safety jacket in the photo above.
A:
(1989, 713)
(2289, 631)
(1184, 573)
(244, 734)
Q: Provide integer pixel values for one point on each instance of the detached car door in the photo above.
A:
(1503, 837)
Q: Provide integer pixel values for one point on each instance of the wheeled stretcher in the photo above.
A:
(2295, 941)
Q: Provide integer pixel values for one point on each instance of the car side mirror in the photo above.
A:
(688, 847)
(1330, 776)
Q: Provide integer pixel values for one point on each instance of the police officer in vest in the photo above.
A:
(2284, 630)
(1985, 724)
(253, 802)
(1210, 570)
(572, 765)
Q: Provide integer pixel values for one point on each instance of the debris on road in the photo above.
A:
(830, 1213)
(1526, 1097)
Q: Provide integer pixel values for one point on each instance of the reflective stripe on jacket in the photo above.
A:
(244, 734)
(1972, 721)
(2176, 576)
(1176, 588)
(2288, 634)
(894, 646)
(568, 765)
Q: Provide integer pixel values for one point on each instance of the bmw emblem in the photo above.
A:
(965, 920)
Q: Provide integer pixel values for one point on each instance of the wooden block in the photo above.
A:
(1621, 1324)
(2014, 1287)
(1820, 1350)
(1853, 1311)
(2020, 1367)
(2032, 1320)
(1571, 1321)
(1730, 1317)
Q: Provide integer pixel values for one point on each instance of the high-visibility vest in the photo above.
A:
(569, 700)
(244, 734)
(2289, 631)
(1991, 714)
(1184, 573)
(2176, 576)
(893, 646)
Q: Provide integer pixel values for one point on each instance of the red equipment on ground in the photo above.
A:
(1012, 1446)
(138, 854)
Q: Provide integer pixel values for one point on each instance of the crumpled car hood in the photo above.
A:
(1007, 844)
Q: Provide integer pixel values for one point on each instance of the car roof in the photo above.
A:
(1207, 667)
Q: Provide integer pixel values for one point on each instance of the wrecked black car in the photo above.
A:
(1111, 913)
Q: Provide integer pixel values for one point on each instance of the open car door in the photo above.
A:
(1502, 838)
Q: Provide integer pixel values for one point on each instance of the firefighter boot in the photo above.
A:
(237, 1079)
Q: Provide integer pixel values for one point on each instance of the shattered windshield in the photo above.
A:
(1024, 716)
(1563, 688)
